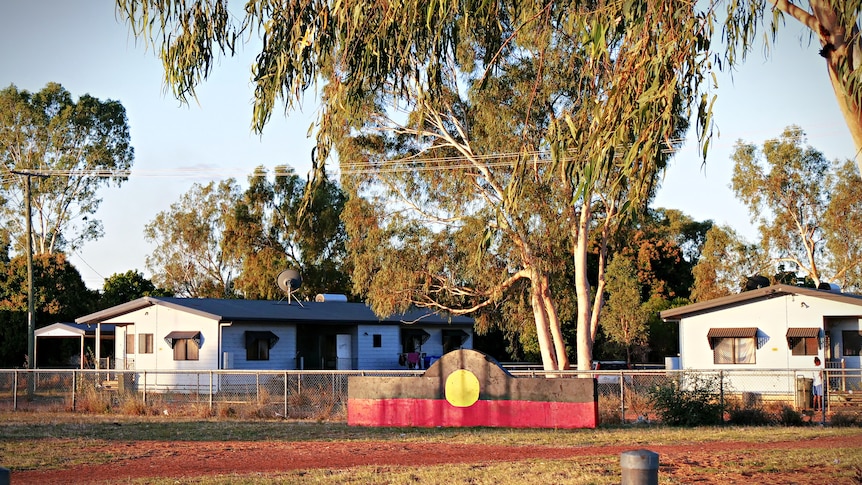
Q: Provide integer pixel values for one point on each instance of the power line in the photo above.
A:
(405, 164)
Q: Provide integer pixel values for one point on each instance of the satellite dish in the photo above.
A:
(289, 281)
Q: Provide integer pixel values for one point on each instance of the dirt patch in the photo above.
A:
(191, 460)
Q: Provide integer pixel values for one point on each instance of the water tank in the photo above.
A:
(829, 287)
(329, 297)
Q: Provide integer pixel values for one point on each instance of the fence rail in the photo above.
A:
(624, 396)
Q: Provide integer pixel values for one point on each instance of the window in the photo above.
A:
(453, 340)
(185, 349)
(804, 346)
(732, 350)
(803, 341)
(145, 343)
(852, 343)
(130, 343)
(377, 340)
(185, 344)
(733, 345)
(258, 344)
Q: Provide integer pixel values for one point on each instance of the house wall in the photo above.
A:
(386, 356)
(160, 321)
(282, 356)
(772, 317)
(377, 358)
(230, 340)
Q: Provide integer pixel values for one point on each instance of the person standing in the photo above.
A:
(817, 385)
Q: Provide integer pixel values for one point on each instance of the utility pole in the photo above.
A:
(31, 313)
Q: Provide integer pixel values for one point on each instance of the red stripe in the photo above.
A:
(438, 412)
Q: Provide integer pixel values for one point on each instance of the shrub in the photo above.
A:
(846, 418)
(788, 416)
(693, 401)
(751, 416)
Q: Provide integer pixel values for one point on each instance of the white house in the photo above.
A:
(776, 327)
(200, 334)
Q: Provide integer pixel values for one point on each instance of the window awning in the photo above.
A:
(252, 336)
(172, 337)
(459, 334)
(803, 332)
(416, 333)
(731, 332)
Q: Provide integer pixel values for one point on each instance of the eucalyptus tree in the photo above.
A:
(266, 233)
(642, 60)
(843, 222)
(833, 23)
(75, 147)
(800, 205)
(189, 258)
(639, 64)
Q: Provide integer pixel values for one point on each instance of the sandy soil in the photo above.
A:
(196, 460)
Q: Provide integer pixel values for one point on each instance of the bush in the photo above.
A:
(846, 418)
(751, 416)
(695, 401)
(788, 416)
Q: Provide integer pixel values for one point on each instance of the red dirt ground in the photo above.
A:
(160, 459)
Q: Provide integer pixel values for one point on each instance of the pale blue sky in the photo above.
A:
(83, 46)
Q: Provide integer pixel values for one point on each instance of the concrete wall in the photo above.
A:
(468, 388)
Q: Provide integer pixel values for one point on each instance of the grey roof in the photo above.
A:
(676, 314)
(272, 311)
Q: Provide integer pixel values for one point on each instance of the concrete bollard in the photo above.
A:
(640, 467)
(5, 476)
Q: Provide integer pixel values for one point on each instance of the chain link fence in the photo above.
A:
(624, 396)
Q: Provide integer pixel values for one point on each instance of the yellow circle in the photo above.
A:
(462, 388)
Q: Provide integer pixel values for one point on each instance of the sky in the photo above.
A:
(86, 48)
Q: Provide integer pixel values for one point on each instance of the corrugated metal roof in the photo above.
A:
(675, 314)
(272, 311)
(803, 332)
(732, 332)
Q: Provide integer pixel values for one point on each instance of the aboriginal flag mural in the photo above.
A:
(470, 388)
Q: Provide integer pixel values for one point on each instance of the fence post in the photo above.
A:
(285, 394)
(74, 389)
(824, 399)
(257, 386)
(622, 399)
(721, 394)
(15, 390)
(145, 388)
(211, 391)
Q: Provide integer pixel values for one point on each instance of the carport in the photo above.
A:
(59, 330)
